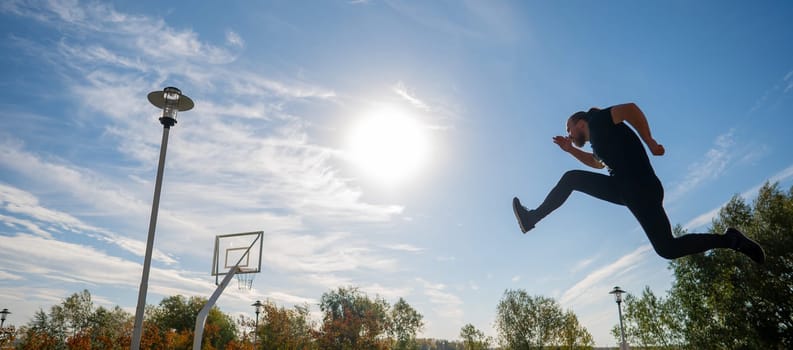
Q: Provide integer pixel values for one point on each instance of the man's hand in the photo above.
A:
(565, 143)
(655, 148)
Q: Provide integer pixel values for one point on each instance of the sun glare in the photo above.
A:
(388, 145)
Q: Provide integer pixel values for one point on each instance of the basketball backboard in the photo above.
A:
(243, 248)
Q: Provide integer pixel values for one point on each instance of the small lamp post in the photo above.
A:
(171, 101)
(3, 315)
(618, 298)
(258, 304)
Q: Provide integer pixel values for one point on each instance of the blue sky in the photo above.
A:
(279, 89)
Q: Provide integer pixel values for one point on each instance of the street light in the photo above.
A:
(3, 315)
(618, 298)
(258, 304)
(171, 101)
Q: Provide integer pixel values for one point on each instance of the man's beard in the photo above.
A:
(579, 140)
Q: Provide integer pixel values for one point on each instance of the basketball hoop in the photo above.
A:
(245, 279)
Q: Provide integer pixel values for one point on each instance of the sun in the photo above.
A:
(388, 145)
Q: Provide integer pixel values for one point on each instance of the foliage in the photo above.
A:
(175, 318)
(572, 335)
(281, 328)
(351, 320)
(729, 301)
(75, 324)
(650, 321)
(525, 322)
(721, 299)
(405, 323)
(473, 338)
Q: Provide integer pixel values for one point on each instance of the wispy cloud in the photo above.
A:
(583, 291)
(401, 90)
(46, 222)
(515, 278)
(582, 264)
(707, 217)
(715, 161)
(405, 248)
(234, 39)
(446, 304)
(788, 81)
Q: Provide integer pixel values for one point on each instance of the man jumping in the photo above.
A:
(632, 181)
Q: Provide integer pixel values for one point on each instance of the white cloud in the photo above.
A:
(582, 264)
(711, 167)
(403, 247)
(4, 275)
(48, 259)
(234, 39)
(707, 217)
(515, 278)
(19, 202)
(289, 298)
(401, 90)
(447, 305)
(583, 291)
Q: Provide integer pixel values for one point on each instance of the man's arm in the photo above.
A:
(631, 113)
(584, 157)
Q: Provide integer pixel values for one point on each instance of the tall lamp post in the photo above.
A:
(258, 304)
(171, 101)
(618, 298)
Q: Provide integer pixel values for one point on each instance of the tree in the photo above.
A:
(474, 339)
(75, 324)
(525, 322)
(572, 335)
(405, 323)
(281, 328)
(175, 319)
(650, 321)
(352, 321)
(726, 301)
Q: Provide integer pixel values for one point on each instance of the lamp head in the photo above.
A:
(258, 304)
(617, 294)
(170, 100)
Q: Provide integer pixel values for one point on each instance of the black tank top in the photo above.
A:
(618, 146)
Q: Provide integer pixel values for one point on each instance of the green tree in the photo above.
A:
(281, 328)
(525, 322)
(473, 338)
(351, 320)
(405, 323)
(572, 335)
(75, 324)
(650, 321)
(726, 300)
(175, 321)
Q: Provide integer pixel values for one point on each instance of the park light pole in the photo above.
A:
(618, 298)
(3, 315)
(6, 334)
(171, 101)
(258, 304)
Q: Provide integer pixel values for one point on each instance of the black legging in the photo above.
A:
(644, 198)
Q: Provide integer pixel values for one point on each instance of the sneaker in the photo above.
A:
(526, 218)
(741, 243)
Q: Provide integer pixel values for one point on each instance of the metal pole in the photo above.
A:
(256, 328)
(201, 319)
(622, 333)
(144, 281)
